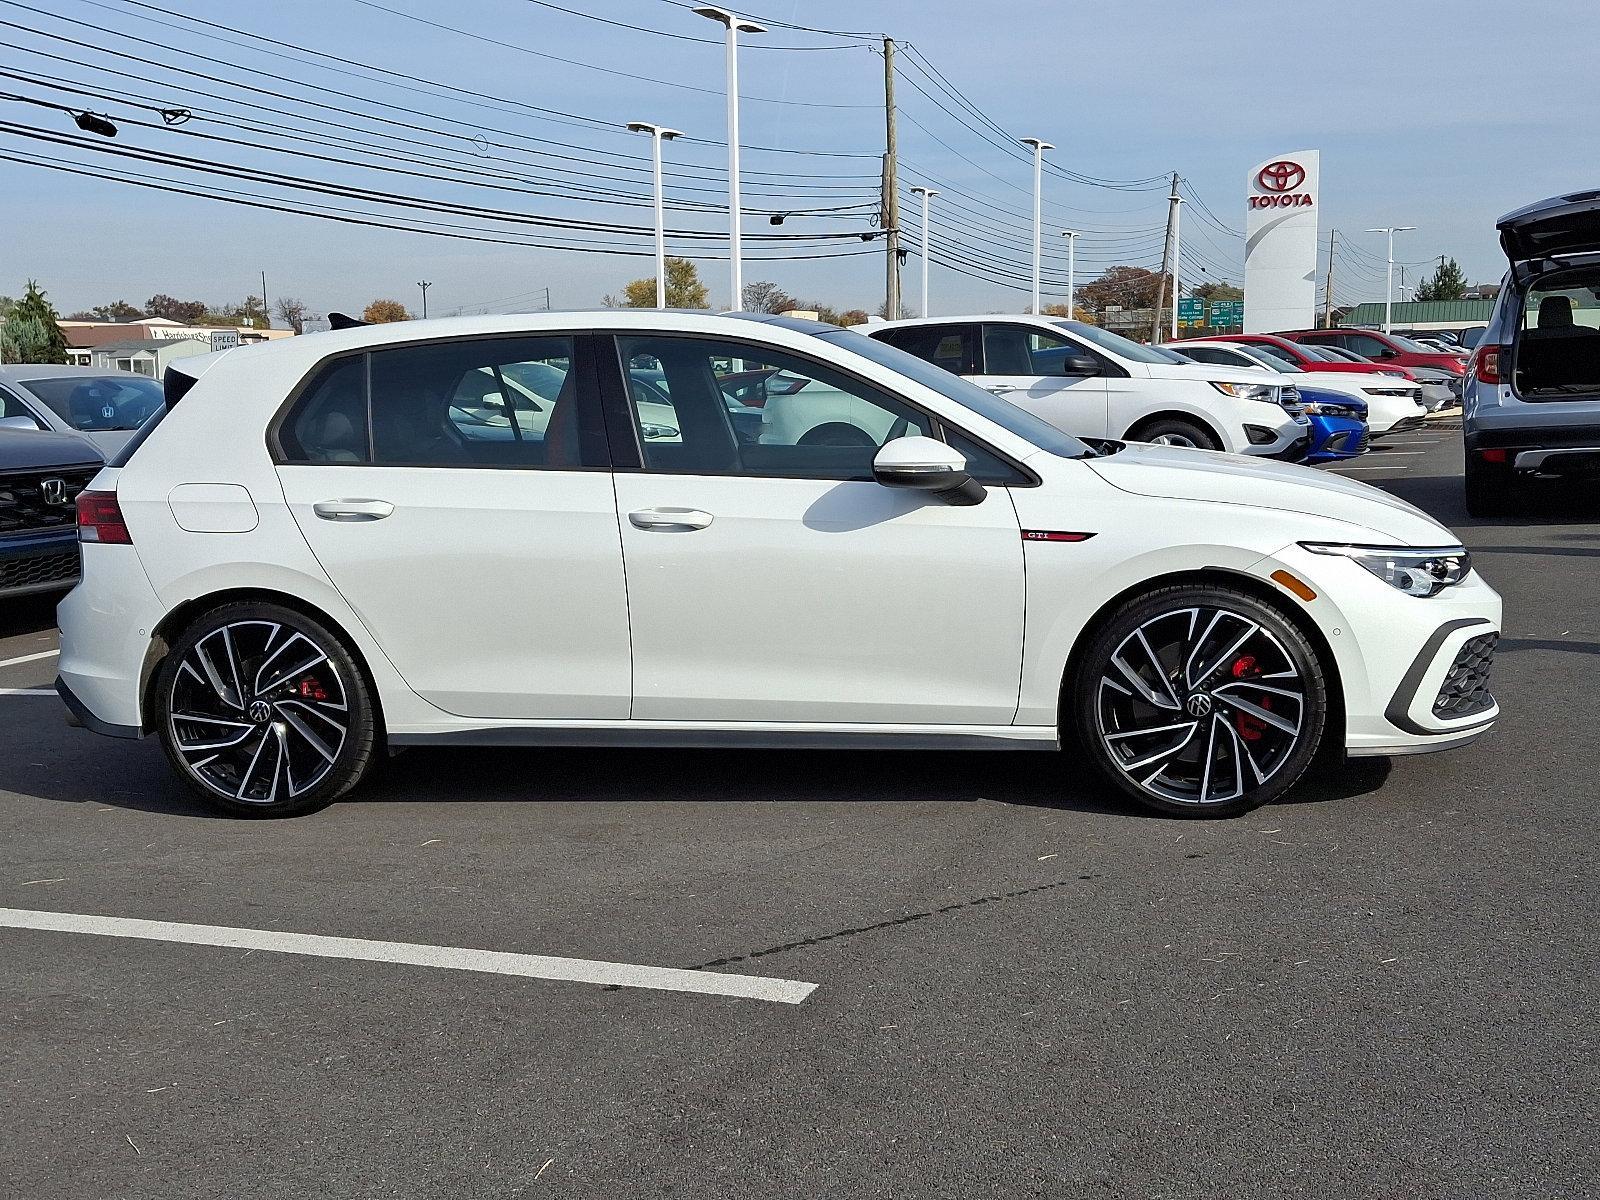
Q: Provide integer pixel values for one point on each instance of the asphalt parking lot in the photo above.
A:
(1005, 982)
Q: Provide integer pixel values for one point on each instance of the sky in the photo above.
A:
(1442, 114)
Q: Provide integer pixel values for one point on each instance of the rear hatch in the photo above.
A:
(1559, 226)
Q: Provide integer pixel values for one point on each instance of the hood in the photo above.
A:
(1317, 394)
(1219, 374)
(27, 450)
(1170, 472)
(1567, 224)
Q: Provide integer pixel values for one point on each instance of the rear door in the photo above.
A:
(458, 494)
(1027, 366)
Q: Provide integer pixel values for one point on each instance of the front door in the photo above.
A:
(773, 581)
(470, 522)
(1026, 365)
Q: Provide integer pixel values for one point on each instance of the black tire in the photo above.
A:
(307, 726)
(1178, 432)
(1274, 671)
(1488, 488)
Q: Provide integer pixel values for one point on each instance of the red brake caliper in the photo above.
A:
(1250, 728)
(309, 689)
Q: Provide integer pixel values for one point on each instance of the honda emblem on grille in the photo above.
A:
(54, 491)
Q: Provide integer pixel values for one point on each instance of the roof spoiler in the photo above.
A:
(175, 384)
(341, 321)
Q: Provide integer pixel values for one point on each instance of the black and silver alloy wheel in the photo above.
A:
(264, 711)
(1201, 700)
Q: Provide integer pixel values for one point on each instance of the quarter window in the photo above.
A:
(705, 407)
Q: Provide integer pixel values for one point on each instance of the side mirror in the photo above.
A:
(18, 423)
(929, 466)
(1388, 353)
(1079, 364)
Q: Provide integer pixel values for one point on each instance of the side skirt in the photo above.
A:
(766, 737)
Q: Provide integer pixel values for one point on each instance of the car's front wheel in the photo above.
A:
(1199, 700)
(263, 711)
(1174, 431)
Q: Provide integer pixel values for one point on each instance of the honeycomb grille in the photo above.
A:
(40, 570)
(1466, 687)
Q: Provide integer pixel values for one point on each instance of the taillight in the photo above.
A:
(1486, 363)
(100, 519)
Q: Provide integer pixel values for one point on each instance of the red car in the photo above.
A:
(1306, 359)
(1386, 349)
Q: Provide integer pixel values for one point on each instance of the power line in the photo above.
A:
(682, 37)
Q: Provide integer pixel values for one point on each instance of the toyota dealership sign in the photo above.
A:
(1280, 254)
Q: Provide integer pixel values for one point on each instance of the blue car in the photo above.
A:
(1338, 425)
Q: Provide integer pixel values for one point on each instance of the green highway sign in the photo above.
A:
(1191, 311)
(1226, 313)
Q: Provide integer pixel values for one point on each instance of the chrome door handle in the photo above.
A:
(998, 389)
(352, 510)
(668, 519)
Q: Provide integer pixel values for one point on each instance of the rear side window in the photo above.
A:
(485, 402)
(952, 347)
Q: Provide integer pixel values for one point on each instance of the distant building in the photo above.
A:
(144, 356)
(84, 337)
(1422, 314)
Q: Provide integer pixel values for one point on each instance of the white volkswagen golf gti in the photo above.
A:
(346, 542)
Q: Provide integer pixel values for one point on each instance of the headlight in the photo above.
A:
(1415, 572)
(1317, 408)
(1246, 391)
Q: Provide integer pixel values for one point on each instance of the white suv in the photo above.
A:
(318, 552)
(1096, 384)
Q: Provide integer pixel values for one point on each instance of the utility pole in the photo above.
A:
(424, 284)
(1327, 286)
(1166, 264)
(265, 315)
(926, 194)
(889, 214)
(1177, 253)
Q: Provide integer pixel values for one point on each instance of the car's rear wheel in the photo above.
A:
(1174, 431)
(264, 712)
(1488, 488)
(1200, 700)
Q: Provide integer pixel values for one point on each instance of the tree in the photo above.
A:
(7, 303)
(1446, 283)
(292, 312)
(32, 331)
(186, 312)
(853, 316)
(118, 310)
(684, 289)
(1062, 310)
(1217, 291)
(764, 297)
(381, 312)
(1122, 287)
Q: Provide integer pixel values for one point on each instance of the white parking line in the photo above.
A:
(531, 966)
(27, 658)
(28, 692)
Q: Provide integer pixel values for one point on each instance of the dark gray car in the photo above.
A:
(1531, 408)
(41, 474)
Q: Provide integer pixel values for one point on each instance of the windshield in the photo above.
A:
(1331, 354)
(99, 402)
(1115, 343)
(987, 405)
(1409, 344)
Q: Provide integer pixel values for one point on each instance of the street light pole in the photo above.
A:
(1072, 263)
(734, 25)
(1039, 147)
(658, 134)
(424, 284)
(1388, 281)
(926, 194)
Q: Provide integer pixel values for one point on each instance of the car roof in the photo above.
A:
(907, 322)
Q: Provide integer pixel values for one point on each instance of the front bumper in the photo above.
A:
(47, 561)
(1403, 424)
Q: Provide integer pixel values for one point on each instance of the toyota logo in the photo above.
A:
(1199, 705)
(1281, 176)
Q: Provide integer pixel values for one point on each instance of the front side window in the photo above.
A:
(1367, 347)
(489, 402)
(10, 406)
(1027, 350)
(813, 422)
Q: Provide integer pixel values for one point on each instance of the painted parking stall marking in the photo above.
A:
(452, 958)
(28, 658)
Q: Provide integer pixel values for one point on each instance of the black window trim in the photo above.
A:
(630, 446)
(591, 433)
